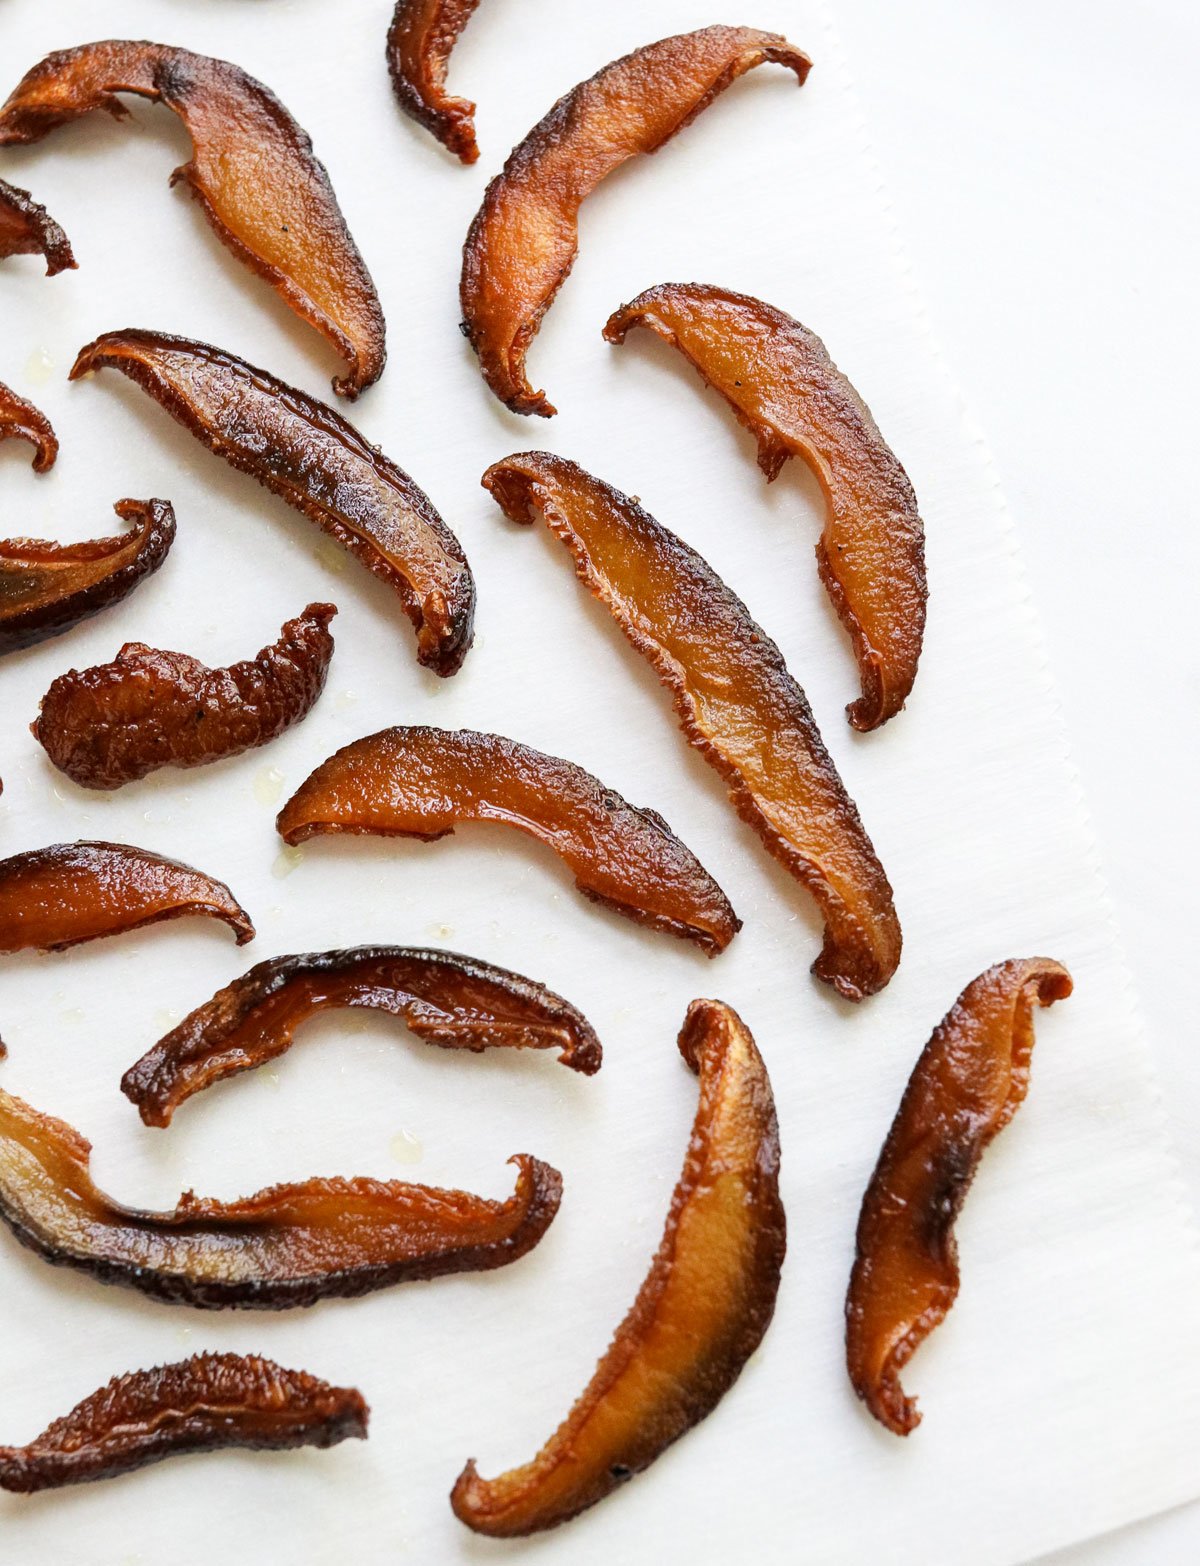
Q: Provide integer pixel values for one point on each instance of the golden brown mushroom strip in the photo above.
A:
(778, 378)
(702, 1311)
(423, 782)
(735, 699)
(20, 420)
(202, 1404)
(523, 241)
(287, 1246)
(447, 1000)
(252, 169)
(27, 229)
(319, 464)
(422, 34)
(969, 1082)
(51, 898)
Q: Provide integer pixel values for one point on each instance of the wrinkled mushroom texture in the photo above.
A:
(287, 1246)
(424, 782)
(252, 169)
(27, 229)
(736, 701)
(117, 722)
(780, 381)
(202, 1404)
(310, 457)
(524, 238)
(20, 420)
(46, 588)
(969, 1082)
(706, 1303)
(422, 34)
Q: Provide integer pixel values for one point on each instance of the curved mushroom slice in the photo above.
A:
(289, 1245)
(202, 1404)
(524, 238)
(451, 1001)
(148, 709)
(422, 782)
(735, 700)
(52, 898)
(702, 1311)
(778, 378)
(252, 169)
(968, 1084)
(47, 588)
(319, 464)
(20, 420)
(27, 229)
(422, 34)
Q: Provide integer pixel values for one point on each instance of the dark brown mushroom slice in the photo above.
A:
(422, 34)
(27, 229)
(20, 420)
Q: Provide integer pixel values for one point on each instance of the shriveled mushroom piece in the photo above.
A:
(422, 34)
(20, 420)
(27, 229)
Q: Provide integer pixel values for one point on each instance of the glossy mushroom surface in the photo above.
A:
(20, 420)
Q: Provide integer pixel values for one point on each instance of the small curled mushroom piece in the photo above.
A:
(524, 239)
(252, 169)
(120, 721)
(20, 420)
(779, 380)
(450, 1001)
(968, 1084)
(702, 1311)
(52, 898)
(422, 34)
(46, 588)
(202, 1404)
(423, 782)
(27, 229)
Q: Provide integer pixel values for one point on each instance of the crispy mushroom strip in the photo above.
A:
(735, 699)
(20, 420)
(27, 229)
(422, 34)
(780, 381)
(252, 169)
(702, 1311)
(524, 238)
(319, 464)
(148, 709)
(422, 782)
(46, 588)
(202, 1404)
(968, 1084)
(52, 898)
(451, 1001)
(289, 1245)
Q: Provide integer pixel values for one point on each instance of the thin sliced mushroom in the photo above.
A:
(778, 378)
(451, 1001)
(734, 697)
(20, 420)
(319, 464)
(968, 1084)
(252, 169)
(287, 1246)
(422, 34)
(27, 229)
(523, 241)
(52, 898)
(702, 1311)
(203, 1404)
(423, 782)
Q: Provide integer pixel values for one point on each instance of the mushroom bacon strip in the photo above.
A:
(702, 1311)
(287, 1246)
(735, 699)
(525, 236)
(252, 169)
(202, 1404)
(968, 1084)
(27, 229)
(20, 420)
(422, 782)
(309, 456)
(51, 898)
(422, 34)
(148, 709)
(46, 588)
(451, 1001)
(780, 381)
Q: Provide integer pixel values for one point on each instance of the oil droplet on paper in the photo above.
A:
(271, 1078)
(286, 861)
(39, 367)
(74, 1015)
(268, 786)
(330, 555)
(442, 931)
(348, 699)
(406, 1148)
(165, 1018)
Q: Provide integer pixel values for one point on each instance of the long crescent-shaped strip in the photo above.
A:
(20, 420)
(969, 1082)
(252, 169)
(735, 699)
(422, 34)
(778, 378)
(523, 241)
(27, 229)
(702, 1311)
